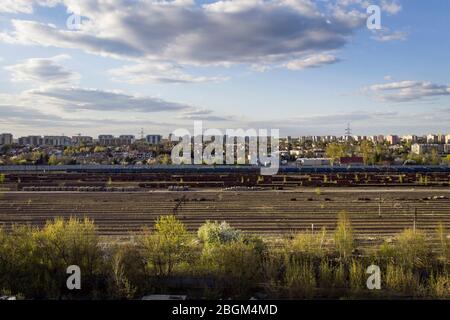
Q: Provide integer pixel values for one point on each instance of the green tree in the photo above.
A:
(335, 151)
(367, 151)
(53, 160)
(19, 270)
(168, 247)
(64, 243)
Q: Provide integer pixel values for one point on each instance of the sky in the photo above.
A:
(305, 67)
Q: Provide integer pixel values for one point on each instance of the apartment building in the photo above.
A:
(6, 138)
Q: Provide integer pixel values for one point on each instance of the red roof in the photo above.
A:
(350, 160)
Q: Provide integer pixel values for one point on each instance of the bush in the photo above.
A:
(340, 279)
(300, 278)
(325, 274)
(33, 262)
(357, 276)
(444, 244)
(440, 286)
(410, 249)
(127, 272)
(343, 236)
(401, 280)
(18, 262)
(309, 244)
(214, 233)
(170, 246)
(63, 243)
(236, 266)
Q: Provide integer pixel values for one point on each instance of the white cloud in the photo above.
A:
(24, 6)
(391, 7)
(408, 90)
(313, 61)
(73, 98)
(43, 70)
(386, 36)
(158, 72)
(219, 33)
(203, 114)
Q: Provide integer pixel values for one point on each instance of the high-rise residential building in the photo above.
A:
(441, 138)
(153, 138)
(31, 141)
(6, 138)
(447, 139)
(125, 139)
(410, 138)
(393, 139)
(106, 139)
(419, 148)
(432, 138)
(57, 141)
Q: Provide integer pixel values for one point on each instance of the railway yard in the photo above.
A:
(379, 205)
(270, 213)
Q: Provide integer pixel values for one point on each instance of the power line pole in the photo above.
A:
(348, 131)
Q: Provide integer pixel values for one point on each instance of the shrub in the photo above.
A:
(356, 276)
(444, 244)
(127, 272)
(325, 274)
(300, 278)
(215, 232)
(273, 272)
(309, 244)
(18, 272)
(439, 286)
(63, 243)
(343, 236)
(171, 245)
(411, 249)
(339, 276)
(401, 280)
(236, 266)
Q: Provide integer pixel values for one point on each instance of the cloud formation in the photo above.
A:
(72, 98)
(408, 90)
(184, 32)
(24, 6)
(158, 72)
(203, 114)
(387, 36)
(43, 71)
(313, 61)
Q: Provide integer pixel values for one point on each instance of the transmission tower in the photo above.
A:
(348, 131)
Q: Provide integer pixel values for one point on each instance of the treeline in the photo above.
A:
(217, 262)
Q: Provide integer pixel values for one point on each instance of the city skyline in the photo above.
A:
(305, 67)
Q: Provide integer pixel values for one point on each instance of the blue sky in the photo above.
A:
(305, 67)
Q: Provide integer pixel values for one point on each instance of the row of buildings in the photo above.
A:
(64, 141)
(390, 139)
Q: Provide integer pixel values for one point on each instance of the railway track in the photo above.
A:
(268, 213)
